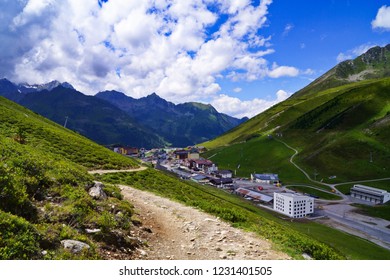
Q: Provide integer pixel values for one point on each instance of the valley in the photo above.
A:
(320, 148)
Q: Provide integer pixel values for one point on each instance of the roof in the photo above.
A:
(255, 195)
(295, 196)
(221, 181)
(181, 152)
(203, 161)
(224, 172)
(198, 177)
(267, 177)
(368, 189)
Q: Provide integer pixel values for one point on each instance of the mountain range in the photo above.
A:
(181, 125)
(111, 117)
(338, 125)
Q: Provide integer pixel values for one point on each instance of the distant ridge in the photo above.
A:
(111, 117)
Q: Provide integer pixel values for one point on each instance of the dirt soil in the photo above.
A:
(173, 231)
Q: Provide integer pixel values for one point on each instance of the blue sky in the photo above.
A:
(241, 56)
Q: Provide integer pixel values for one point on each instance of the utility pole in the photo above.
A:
(66, 121)
(315, 174)
(371, 160)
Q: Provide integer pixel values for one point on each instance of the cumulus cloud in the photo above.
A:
(179, 49)
(280, 71)
(249, 108)
(382, 20)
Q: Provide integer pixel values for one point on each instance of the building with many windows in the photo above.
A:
(370, 194)
(292, 205)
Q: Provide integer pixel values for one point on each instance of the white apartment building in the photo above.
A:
(370, 194)
(292, 205)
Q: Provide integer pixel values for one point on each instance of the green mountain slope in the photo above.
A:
(181, 125)
(43, 190)
(373, 64)
(91, 117)
(341, 131)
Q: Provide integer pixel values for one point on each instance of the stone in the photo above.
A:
(97, 191)
(74, 246)
(95, 230)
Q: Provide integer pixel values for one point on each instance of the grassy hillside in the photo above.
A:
(48, 137)
(43, 197)
(336, 131)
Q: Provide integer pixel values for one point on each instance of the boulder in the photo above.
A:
(74, 246)
(97, 191)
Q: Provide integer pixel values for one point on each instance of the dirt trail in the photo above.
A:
(100, 172)
(180, 232)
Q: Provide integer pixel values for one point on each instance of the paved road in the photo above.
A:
(370, 231)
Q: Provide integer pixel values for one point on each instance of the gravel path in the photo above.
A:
(183, 233)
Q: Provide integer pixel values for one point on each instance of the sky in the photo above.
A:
(240, 56)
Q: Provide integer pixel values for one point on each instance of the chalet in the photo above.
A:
(127, 151)
(221, 181)
(224, 173)
(266, 178)
(193, 154)
(181, 154)
(205, 165)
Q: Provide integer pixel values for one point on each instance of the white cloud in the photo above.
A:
(237, 89)
(382, 19)
(280, 71)
(355, 52)
(178, 49)
(287, 29)
(235, 107)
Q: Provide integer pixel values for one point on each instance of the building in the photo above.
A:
(370, 194)
(253, 195)
(266, 178)
(205, 165)
(193, 154)
(181, 154)
(292, 205)
(221, 182)
(224, 174)
(127, 151)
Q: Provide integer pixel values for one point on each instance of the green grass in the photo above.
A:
(47, 136)
(43, 189)
(337, 132)
(316, 192)
(294, 238)
(385, 185)
(379, 211)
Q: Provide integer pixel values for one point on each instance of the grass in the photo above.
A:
(294, 238)
(316, 192)
(336, 131)
(43, 190)
(379, 211)
(49, 137)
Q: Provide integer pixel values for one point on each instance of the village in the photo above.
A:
(263, 189)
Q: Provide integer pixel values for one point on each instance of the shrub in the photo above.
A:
(19, 240)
